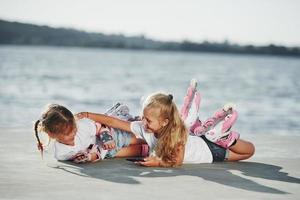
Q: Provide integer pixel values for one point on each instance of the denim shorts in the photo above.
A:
(122, 139)
(219, 153)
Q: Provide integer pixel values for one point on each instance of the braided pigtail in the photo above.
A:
(39, 144)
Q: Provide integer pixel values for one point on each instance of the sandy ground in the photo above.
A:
(273, 173)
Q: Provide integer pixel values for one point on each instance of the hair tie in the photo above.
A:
(43, 117)
(170, 97)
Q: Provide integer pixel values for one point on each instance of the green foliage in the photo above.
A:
(28, 34)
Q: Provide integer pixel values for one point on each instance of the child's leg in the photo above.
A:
(135, 140)
(144, 148)
(241, 150)
(130, 151)
(191, 105)
(136, 147)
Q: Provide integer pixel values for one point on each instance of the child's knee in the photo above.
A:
(253, 149)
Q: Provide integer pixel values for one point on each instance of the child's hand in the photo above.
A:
(81, 115)
(82, 157)
(151, 161)
(109, 145)
(92, 154)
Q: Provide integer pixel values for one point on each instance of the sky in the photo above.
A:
(258, 22)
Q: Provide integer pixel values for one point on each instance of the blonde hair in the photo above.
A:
(174, 134)
(55, 120)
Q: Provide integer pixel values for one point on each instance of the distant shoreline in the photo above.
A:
(15, 33)
(146, 50)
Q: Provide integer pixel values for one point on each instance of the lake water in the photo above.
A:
(265, 89)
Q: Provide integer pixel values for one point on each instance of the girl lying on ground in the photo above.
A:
(173, 141)
(84, 140)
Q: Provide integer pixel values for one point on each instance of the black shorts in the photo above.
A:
(219, 153)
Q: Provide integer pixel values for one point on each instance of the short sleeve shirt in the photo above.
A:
(196, 150)
(85, 135)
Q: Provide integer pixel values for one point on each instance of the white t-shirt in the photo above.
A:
(85, 135)
(196, 150)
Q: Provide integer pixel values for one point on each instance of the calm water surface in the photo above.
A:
(266, 89)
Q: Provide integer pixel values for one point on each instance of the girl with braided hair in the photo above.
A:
(84, 140)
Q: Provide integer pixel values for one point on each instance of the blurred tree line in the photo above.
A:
(28, 34)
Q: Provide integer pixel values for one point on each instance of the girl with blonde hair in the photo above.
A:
(168, 136)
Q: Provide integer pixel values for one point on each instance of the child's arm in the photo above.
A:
(154, 161)
(107, 120)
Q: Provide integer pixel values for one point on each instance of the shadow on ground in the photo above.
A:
(237, 174)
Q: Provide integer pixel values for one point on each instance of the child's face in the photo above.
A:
(152, 121)
(67, 137)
